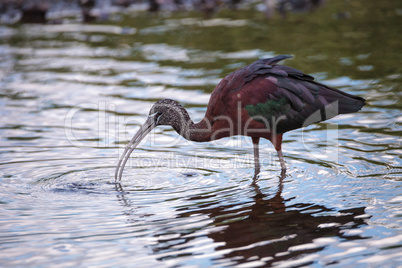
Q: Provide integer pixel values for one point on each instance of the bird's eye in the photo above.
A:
(157, 117)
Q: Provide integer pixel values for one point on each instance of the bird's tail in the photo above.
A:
(347, 103)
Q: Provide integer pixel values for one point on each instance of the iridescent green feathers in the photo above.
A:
(268, 111)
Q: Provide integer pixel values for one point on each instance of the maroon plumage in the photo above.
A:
(264, 80)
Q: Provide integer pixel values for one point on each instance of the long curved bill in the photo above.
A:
(138, 137)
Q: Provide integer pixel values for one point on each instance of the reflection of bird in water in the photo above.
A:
(270, 225)
(263, 226)
(261, 100)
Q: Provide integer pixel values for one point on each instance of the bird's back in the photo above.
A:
(280, 94)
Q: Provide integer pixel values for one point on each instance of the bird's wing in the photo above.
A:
(266, 89)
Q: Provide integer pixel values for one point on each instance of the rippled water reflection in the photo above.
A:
(72, 96)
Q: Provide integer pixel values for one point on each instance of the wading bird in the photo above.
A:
(260, 100)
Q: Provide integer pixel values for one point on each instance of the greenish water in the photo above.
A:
(72, 96)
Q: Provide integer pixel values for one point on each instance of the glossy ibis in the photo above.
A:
(261, 100)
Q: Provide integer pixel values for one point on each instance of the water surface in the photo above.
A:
(71, 97)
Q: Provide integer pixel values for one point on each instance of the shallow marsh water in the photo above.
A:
(71, 97)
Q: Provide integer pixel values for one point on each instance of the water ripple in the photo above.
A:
(72, 96)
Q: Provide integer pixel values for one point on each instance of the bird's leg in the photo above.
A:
(256, 155)
(277, 142)
(281, 160)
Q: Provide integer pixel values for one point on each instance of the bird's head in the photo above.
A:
(164, 112)
(168, 112)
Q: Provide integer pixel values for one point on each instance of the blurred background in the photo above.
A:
(77, 79)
